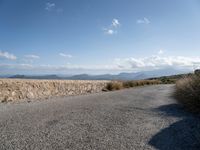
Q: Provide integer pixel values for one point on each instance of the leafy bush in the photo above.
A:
(187, 93)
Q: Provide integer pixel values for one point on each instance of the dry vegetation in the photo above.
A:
(117, 85)
(187, 93)
(171, 79)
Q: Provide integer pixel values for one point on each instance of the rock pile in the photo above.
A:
(16, 89)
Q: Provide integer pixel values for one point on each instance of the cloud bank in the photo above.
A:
(158, 62)
(119, 65)
(7, 55)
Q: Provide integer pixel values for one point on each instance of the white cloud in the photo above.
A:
(16, 67)
(65, 55)
(36, 69)
(7, 55)
(113, 28)
(50, 6)
(160, 52)
(157, 62)
(143, 21)
(118, 65)
(115, 23)
(32, 56)
(109, 31)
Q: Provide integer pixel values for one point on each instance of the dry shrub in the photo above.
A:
(117, 85)
(187, 93)
(128, 84)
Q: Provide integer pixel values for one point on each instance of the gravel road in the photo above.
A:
(133, 119)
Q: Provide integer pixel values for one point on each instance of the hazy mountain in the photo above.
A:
(121, 76)
(35, 77)
(5, 76)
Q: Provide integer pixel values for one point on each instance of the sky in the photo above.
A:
(98, 36)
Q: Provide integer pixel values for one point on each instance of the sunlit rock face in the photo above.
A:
(16, 89)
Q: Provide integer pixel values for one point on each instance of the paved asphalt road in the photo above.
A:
(132, 119)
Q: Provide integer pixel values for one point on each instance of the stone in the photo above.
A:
(18, 89)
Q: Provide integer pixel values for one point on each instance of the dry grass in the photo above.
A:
(117, 85)
(187, 93)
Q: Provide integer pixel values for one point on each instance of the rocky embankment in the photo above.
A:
(16, 89)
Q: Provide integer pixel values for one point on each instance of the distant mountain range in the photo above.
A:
(121, 76)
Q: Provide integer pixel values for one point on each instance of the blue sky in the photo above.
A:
(98, 36)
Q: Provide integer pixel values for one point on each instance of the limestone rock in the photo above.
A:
(18, 89)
